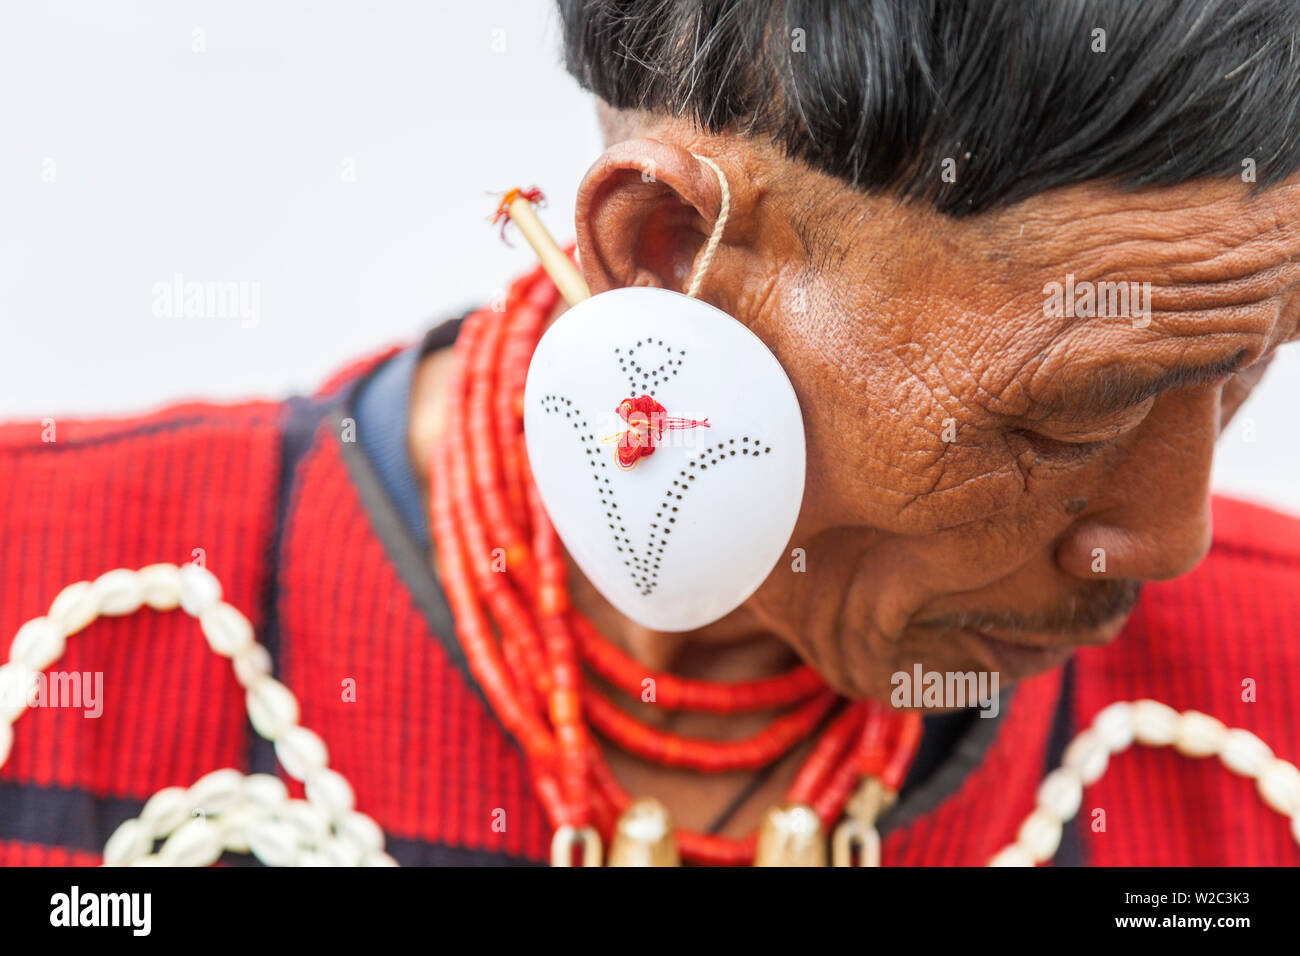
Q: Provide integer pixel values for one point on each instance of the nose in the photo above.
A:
(1152, 521)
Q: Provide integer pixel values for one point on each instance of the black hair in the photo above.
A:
(1020, 96)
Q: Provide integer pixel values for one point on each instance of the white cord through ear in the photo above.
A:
(702, 267)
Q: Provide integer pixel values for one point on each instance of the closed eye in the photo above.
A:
(1065, 452)
(1059, 451)
(1074, 441)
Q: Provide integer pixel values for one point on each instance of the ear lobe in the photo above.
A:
(644, 212)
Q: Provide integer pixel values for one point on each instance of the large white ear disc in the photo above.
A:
(668, 447)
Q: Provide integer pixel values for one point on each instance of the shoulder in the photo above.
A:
(1248, 587)
(56, 433)
(82, 495)
(1243, 530)
(64, 467)
(194, 481)
(179, 422)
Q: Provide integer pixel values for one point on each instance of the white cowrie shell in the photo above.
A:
(1088, 755)
(1060, 793)
(1040, 835)
(310, 822)
(265, 791)
(118, 592)
(331, 791)
(17, 684)
(361, 831)
(272, 708)
(1154, 724)
(340, 853)
(1199, 735)
(217, 792)
(132, 840)
(197, 842)
(166, 810)
(1014, 855)
(237, 826)
(161, 585)
(251, 663)
(275, 843)
(1243, 753)
(227, 630)
(1279, 786)
(1114, 725)
(200, 589)
(74, 608)
(38, 644)
(301, 752)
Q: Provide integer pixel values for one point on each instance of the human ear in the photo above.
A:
(644, 213)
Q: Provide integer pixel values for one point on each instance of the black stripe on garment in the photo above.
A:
(301, 418)
(410, 559)
(216, 417)
(1070, 852)
(942, 775)
(75, 819)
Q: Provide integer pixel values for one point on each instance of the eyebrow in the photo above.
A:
(1118, 387)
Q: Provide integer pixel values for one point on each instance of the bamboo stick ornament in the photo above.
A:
(517, 206)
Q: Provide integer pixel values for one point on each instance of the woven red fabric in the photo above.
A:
(420, 747)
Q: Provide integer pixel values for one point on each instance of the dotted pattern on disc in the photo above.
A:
(643, 377)
(644, 566)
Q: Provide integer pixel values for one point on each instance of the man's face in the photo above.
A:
(996, 459)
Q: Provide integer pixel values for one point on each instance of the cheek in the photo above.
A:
(896, 439)
(885, 452)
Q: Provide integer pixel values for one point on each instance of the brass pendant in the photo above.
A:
(568, 840)
(790, 835)
(644, 836)
(855, 844)
(857, 841)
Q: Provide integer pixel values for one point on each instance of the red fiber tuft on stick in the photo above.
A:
(502, 214)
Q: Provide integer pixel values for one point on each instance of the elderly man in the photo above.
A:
(1020, 262)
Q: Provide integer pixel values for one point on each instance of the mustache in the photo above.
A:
(1101, 604)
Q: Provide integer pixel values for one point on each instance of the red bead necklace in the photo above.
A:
(503, 569)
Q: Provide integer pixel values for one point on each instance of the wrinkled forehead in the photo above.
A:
(1075, 280)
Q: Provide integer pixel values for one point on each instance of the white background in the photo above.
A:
(233, 164)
